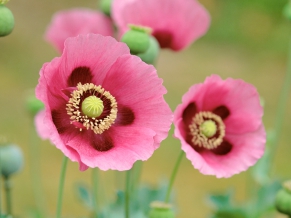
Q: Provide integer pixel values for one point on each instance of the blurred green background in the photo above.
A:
(247, 40)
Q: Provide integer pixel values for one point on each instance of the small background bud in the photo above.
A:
(3, 1)
(11, 159)
(161, 210)
(283, 199)
(287, 11)
(105, 6)
(6, 21)
(33, 105)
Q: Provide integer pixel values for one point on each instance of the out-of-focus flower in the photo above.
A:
(11, 158)
(70, 23)
(103, 107)
(175, 23)
(6, 20)
(219, 124)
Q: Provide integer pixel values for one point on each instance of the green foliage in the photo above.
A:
(258, 206)
(140, 201)
(85, 195)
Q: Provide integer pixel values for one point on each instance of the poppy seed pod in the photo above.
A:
(137, 39)
(283, 199)
(161, 210)
(6, 21)
(151, 54)
(11, 159)
(3, 1)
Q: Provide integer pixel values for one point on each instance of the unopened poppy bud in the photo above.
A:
(34, 105)
(105, 6)
(287, 11)
(137, 39)
(161, 210)
(6, 21)
(283, 199)
(151, 54)
(11, 159)
(3, 1)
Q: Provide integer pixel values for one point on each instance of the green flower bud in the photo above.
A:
(6, 21)
(34, 105)
(11, 159)
(287, 11)
(151, 54)
(161, 210)
(283, 199)
(3, 1)
(137, 39)
(105, 6)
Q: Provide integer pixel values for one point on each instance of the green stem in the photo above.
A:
(0, 189)
(95, 190)
(284, 96)
(127, 193)
(61, 186)
(35, 171)
(7, 187)
(137, 169)
(173, 176)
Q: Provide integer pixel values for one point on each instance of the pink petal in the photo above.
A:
(247, 149)
(95, 53)
(140, 90)
(47, 130)
(70, 23)
(41, 128)
(175, 23)
(129, 145)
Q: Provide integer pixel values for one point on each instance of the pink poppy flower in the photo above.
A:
(96, 72)
(175, 23)
(219, 124)
(70, 23)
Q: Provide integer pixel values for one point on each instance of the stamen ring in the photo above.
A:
(74, 105)
(199, 138)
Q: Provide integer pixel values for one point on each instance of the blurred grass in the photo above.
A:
(247, 40)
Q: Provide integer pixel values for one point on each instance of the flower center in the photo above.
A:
(91, 107)
(207, 130)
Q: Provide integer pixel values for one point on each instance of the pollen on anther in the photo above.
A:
(98, 126)
(199, 138)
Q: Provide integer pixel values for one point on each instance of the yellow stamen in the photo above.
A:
(98, 126)
(204, 126)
